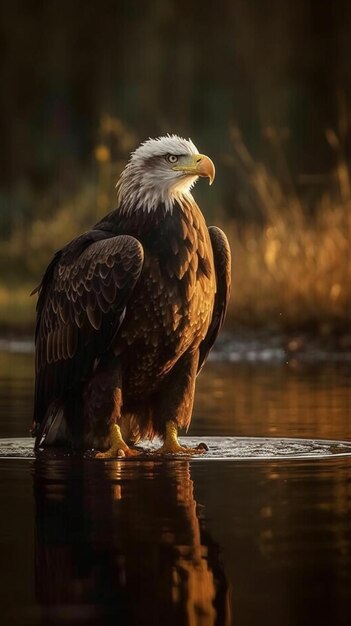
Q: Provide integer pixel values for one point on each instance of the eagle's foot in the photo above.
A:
(171, 444)
(118, 446)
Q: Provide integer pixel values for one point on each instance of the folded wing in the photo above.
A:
(222, 261)
(81, 305)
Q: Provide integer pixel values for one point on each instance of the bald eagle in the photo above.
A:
(128, 311)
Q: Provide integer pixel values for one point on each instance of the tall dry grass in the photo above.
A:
(294, 271)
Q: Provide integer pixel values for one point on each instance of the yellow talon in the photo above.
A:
(171, 444)
(118, 446)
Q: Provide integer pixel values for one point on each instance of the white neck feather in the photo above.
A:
(139, 190)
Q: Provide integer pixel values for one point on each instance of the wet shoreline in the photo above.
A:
(245, 347)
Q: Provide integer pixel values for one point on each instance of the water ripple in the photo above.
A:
(220, 448)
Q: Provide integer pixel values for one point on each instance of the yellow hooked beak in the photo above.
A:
(197, 165)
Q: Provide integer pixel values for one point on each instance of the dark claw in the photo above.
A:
(202, 446)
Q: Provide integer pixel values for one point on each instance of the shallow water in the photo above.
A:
(244, 542)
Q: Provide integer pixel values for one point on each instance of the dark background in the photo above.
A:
(194, 68)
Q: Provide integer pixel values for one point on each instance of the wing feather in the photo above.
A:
(82, 301)
(222, 261)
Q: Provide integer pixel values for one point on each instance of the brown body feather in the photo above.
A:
(127, 314)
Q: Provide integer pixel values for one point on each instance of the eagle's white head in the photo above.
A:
(161, 171)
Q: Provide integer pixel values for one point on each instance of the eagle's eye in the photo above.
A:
(172, 158)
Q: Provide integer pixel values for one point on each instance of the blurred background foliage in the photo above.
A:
(263, 87)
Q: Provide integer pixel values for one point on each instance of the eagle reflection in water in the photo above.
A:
(124, 544)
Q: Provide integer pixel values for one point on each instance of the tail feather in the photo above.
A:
(53, 430)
